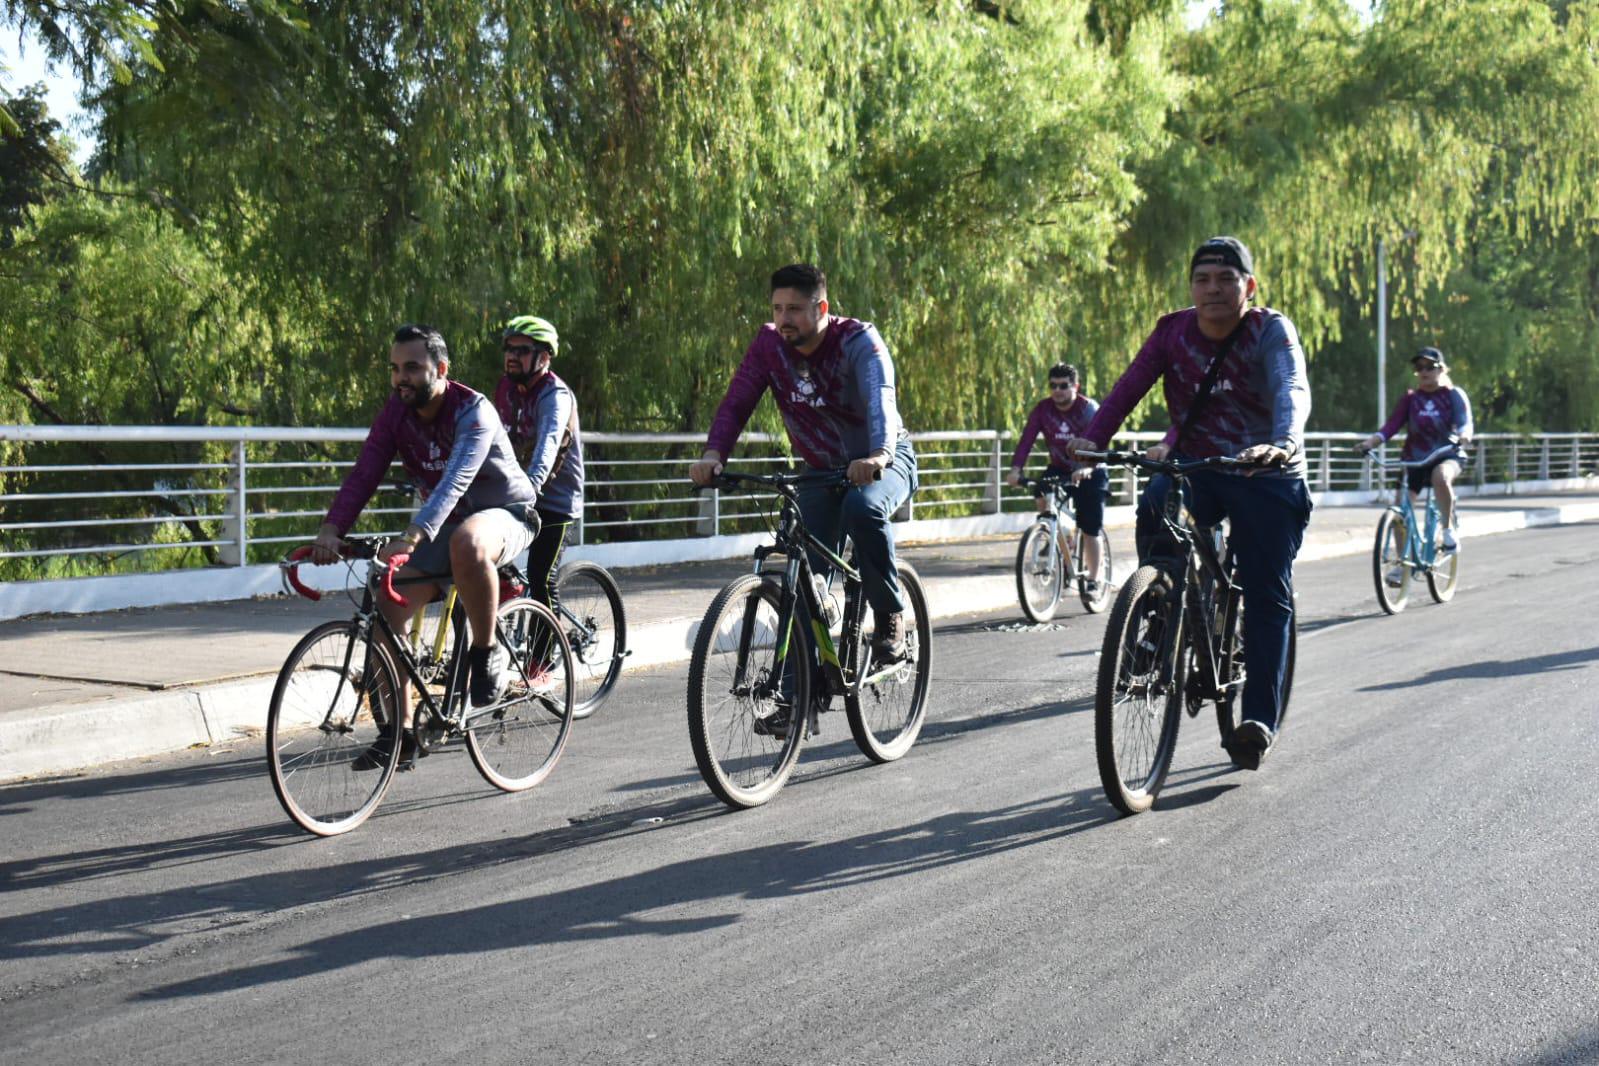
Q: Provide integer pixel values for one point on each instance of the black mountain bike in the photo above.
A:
(339, 693)
(753, 694)
(1174, 640)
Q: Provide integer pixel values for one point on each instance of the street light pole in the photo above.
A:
(1382, 332)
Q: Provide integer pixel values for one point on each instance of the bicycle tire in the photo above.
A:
(1039, 573)
(326, 714)
(742, 767)
(1135, 727)
(886, 712)
(1229, 707)
(1094, 604)
(1387, 554)
(517, 743)
(597, 631)
(1443, 578)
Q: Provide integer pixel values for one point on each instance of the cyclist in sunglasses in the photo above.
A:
(1065, 414)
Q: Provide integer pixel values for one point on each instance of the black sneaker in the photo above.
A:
(888, 637)
(1251, 741)
(489, 676)
(774, 724)
(377, 756)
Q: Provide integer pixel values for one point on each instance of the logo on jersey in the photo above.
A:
(804, 394)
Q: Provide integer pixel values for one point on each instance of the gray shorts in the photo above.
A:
(433, 558)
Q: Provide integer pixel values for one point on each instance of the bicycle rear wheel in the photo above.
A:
(516, 744)
(331, 729)
(749, 688)
(1443, 577)
(887, 709)
(590, 609)
(1039, 573)
(1099, 600)
(1136, 715)
(1389, 569)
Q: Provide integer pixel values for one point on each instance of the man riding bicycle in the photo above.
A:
(1062, 416)
(1235, 384)
(478, 510)
(540, 413)
(833, 380)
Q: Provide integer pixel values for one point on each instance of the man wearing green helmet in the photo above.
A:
(540, 412)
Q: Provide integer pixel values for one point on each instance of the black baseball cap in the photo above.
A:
(1228, 251)
(1429, 355)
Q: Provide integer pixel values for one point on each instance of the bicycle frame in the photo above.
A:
(1204, 576)
(1421, 538)
(1062, 522)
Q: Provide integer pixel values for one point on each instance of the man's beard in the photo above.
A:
(417, 399)
(519, 377)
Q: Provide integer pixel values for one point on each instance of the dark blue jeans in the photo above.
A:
(864, 513)
(1268, 516)
(1087, 496)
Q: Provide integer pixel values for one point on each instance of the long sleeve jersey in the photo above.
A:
(838, 404)
(1057, 426)
(538, 418)
(1261, 395)
(462, 461)
(1430, 420)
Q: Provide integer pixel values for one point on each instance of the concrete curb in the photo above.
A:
(63, 739)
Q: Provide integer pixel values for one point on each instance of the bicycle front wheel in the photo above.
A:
(516, 743)
(589, 604)
(1443, 577)
(1138, 700)
(1389, 570)
(1039, 573)
(331, 729)
(749, 687)
(1099, 599)
(887, 708)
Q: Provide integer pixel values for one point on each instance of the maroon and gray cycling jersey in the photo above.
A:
(1262, 394)
(838, 404)
(462, 461)
(544, 429)
(1430, 420)
(1058, 427)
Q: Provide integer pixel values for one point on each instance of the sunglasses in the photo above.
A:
(524, 351)
(1058, 385)
(1428, 366)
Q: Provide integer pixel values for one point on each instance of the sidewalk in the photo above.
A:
(85, 689)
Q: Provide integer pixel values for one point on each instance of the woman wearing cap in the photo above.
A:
(540, 413)
(1434, 414)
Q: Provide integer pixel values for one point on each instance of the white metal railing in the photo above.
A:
(175, 498)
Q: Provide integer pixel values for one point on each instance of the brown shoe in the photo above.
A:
(888, 637)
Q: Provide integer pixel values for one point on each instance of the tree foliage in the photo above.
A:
(998, 185)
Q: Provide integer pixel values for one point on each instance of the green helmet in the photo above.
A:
(538, 328)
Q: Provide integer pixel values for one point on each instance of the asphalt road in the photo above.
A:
(1409, 878)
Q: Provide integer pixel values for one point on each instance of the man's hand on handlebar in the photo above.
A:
(1080, 444)
(1369, 443)
(1014, 478)
(1263, 457)
(1158, 451)
(404, 544)
(865, 471)
(328, 546)
(704, 472)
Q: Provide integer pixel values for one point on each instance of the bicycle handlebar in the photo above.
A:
(783, 484)
(347, 550)
(1171, 466)
(1436, 453)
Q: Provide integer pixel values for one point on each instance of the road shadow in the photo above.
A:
(1582, 1049)
(1493, 668)
(20, 797)
(686, 897)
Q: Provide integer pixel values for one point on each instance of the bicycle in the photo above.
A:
(588, 603)
(1049, 557)
(1405, 548)
(338, 695)
(1174, 641)
(750, 704)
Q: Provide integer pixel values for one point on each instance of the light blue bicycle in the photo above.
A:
(1407, 545)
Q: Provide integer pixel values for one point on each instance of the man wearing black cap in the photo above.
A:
(1254, 410)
